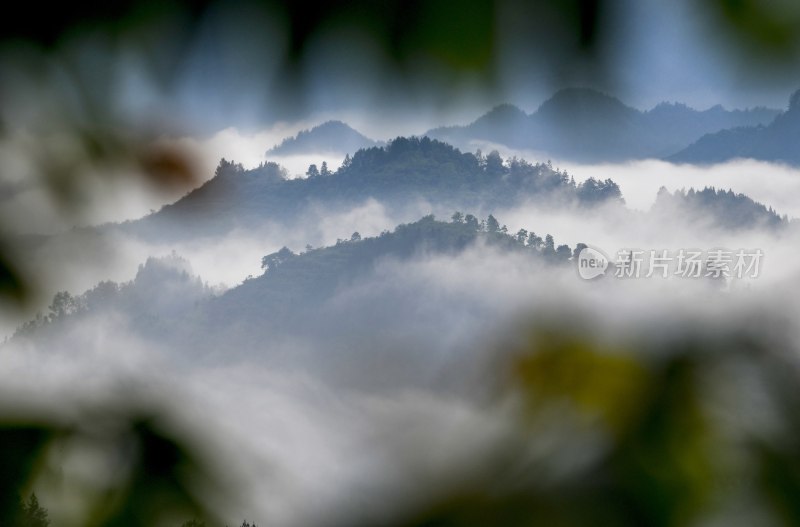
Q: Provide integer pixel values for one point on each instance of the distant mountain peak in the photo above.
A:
(670, 105)
(330, 136)
(334, 124)
(502, 115)
(582, 102)
(506, 110)
(568, 95)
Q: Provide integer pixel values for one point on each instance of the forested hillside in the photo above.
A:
(405, 170)
(167, 302)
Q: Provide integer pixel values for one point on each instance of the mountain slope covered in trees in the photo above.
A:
(296, 286)
(296, 296)
(299, 297)
(304, 280)
(405, 170)
(163, 291)
(719, 208)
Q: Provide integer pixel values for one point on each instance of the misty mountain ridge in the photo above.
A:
(167, 303)
(589, 126)
(404, 171)
(331, 136)
(167, 300)
(724, 209)
(342, 288)
(305, 279)
(778, 141)
(161, 293)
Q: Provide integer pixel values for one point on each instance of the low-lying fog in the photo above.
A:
(301, 444)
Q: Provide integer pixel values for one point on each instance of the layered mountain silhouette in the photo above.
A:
(779, 141)
(403, 172)
(589, 126)
(314, 296)
(324, 285)
(331, 136)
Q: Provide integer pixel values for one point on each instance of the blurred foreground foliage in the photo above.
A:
(686, 427)
(110, 466)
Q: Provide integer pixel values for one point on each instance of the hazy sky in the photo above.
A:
(669, 51)
(654, 50)
(233, 70)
